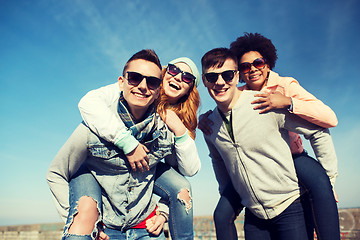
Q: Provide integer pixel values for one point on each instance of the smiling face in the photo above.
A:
(174, 87)
(256, 78)
(224, 93)
(140, 97)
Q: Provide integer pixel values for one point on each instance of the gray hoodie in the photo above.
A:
(259, 162)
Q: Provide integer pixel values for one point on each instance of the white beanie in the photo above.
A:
(192, 66)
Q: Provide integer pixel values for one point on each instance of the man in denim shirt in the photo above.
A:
(126, 201)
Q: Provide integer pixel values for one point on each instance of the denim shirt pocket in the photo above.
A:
(161, 145)
(105, 158)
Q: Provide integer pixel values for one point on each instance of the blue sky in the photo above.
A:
(53, 52)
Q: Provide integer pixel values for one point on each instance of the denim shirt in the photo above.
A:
(127, 195)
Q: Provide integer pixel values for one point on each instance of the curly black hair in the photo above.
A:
(255, 42)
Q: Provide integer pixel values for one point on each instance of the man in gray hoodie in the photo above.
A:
(251, 150)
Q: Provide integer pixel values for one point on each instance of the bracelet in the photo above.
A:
(165, 215)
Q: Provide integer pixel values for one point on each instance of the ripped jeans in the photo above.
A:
(168, 185)
(82, 184)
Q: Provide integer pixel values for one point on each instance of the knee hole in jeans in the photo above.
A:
(86, 216)
(185, 198)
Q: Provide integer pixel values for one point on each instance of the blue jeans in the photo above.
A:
(168, 184)
(226, 211)
(319, 203)
(82, 184)
(133, 234)
(290, 224)
(323, 208)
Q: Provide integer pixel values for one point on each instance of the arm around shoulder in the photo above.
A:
(95, 109)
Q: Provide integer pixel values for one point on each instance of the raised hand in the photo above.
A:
(173, 121)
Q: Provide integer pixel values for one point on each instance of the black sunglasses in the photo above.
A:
(245, 67)
(135, 79)
(185, 76)
(212, 77)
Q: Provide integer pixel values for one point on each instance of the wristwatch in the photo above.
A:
(290, 108)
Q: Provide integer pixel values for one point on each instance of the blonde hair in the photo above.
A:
(186, 107)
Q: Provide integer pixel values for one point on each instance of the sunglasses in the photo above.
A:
(185, 76)
(212, 77)
(135, 79)
(245, 67)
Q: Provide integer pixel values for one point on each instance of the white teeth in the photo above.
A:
(140, 95)
(220, 91)
(254, 76)
(174, 85)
